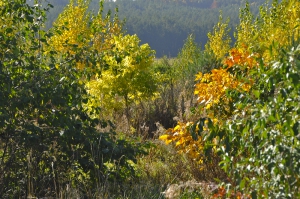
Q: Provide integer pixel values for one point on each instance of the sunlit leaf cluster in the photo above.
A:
(3, 3)
(211, 91)
(276, 27)
(72, 27)
(120, 64)
(128, 77)
(184, 141)
(77, 28)
(242, 58)
(212, 87)
(218, 43)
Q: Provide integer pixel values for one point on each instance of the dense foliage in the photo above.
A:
(250, 107)
(49, 143)
(79, 101)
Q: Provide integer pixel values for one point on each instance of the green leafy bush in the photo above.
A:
(48, 142)
(261, 145)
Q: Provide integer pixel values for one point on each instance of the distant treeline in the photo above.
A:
(165, 24)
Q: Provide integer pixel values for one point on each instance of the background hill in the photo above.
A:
(165, 24)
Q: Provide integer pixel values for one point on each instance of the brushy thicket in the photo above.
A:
(82, 107)
(50, 143)
(251, 105)
(55, 140)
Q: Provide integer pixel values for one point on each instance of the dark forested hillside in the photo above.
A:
(165, 24)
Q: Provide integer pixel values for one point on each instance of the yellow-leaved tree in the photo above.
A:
(78, 31)
(71, 27)
(218, 43)
(275, 28)
(121, 72)
(128, 78)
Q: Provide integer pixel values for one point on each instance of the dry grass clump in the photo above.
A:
(189, 188)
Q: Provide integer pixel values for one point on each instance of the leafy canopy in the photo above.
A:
(128, 77)
(121, 66)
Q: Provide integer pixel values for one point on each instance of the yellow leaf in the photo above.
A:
(168, 141)
(181, 141)
(163, 137)
(177, 128)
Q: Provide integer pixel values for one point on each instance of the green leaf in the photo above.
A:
(254, 194)
(256, 93)
(271, 118)
(242, 184)
(193, 132)
(296, 128)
